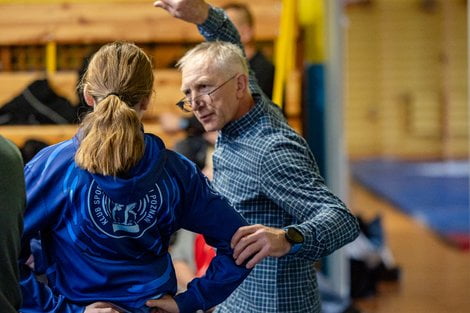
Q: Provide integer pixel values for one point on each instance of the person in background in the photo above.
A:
(243, 20)
(12, 203)
(106, 202)
(264, 168)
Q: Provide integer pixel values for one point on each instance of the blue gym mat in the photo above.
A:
(435, 193)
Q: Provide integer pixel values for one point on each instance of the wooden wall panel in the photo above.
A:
(408, 73)
(137, 21)
(361, 111)
(456, 78)
(419, 87)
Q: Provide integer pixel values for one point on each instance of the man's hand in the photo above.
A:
(165, 304)
(255, 242)
(101, 307)
(192, 11)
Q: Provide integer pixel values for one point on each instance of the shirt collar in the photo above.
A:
(243, 124)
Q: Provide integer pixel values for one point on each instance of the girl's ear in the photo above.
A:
(144, 103)
(88, 98)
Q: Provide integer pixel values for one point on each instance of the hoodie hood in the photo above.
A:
(141, 177)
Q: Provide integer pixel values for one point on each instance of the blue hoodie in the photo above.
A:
(106, 238)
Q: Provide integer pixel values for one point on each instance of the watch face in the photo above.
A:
(294, 235)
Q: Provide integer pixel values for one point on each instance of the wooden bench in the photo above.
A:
(166, 87)
(167, 93)
(52, 134)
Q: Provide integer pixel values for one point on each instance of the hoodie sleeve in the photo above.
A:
(38, 297)
(207, 213)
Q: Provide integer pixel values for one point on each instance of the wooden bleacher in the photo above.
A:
(105, 21)
(24, 25)
(166, 94)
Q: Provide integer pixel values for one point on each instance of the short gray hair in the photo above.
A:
(223, 55)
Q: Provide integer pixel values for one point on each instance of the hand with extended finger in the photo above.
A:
(192, 11)
(255, 242)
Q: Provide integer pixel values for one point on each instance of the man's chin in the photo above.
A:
(209, 128)
(209, 125)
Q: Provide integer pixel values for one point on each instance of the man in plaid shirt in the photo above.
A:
(264, 168)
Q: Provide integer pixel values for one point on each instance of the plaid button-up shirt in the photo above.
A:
(269, 174)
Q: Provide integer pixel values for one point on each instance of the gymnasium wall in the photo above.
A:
(406, 79)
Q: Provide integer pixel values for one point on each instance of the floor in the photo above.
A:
(435, 276)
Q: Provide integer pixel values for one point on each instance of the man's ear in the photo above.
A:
(242, 84)
(88, 98)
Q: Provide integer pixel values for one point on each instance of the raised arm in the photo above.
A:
(191, 11)
(212, 23)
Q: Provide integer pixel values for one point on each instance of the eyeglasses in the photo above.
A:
(186, 104)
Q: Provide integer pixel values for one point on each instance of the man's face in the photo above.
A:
(214, 111)
(238, 19)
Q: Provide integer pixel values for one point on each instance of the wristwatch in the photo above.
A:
(295, 238)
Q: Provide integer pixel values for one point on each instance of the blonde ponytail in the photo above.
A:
(119, 78)
(111, 139)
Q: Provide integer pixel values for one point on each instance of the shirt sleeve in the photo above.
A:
(290, 178)
(219, 27)
(208, 213)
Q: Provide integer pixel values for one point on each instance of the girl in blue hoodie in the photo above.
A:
(106, 202)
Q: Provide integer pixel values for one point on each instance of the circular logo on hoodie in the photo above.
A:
(119, 220)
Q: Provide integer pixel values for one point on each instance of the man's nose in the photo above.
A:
(198, 102)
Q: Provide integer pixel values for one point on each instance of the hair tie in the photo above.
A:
(113, 94)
